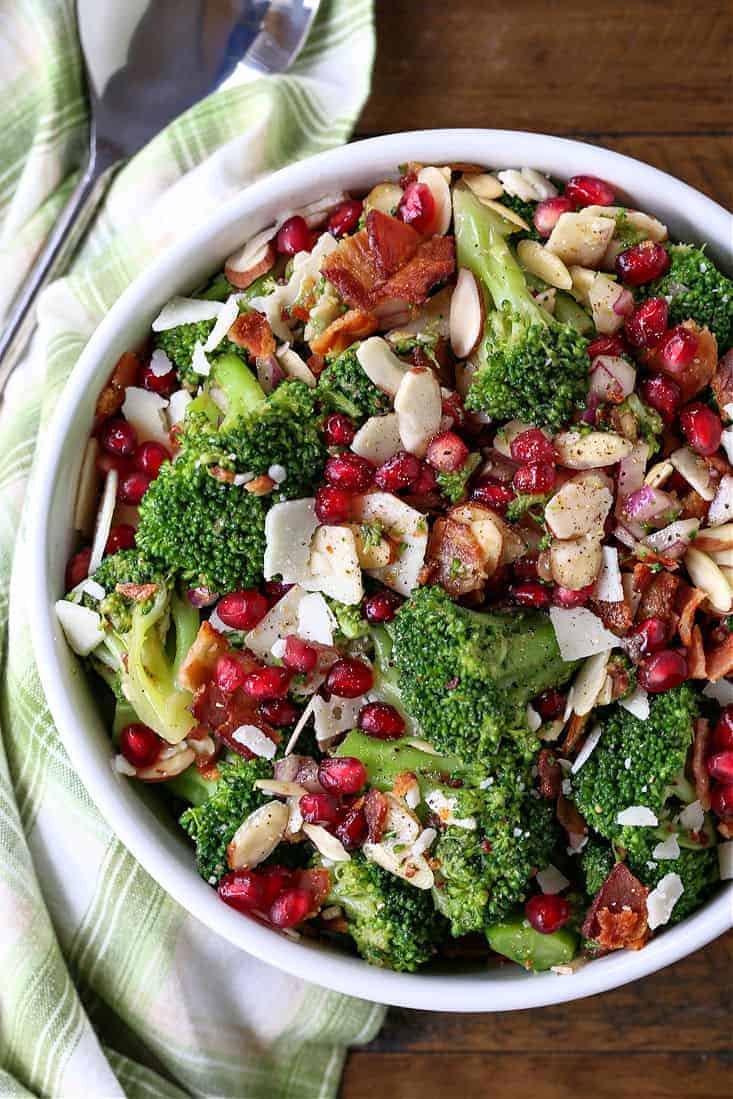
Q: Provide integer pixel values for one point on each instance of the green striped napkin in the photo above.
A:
(108, 988)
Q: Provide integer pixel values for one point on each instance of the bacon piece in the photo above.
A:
(200, 661)
(696, 661)
(260, 486)
(569, 817)
(139, 593)
(223, 714)
(391, 242)
(455, 556)
(434, 261)
(693, 506)
(354, 325)
(576, 725)
(549, 773)
(687, 600)
(317, 363)
(722, 382)
(353, 270)
(618, 915)
(698, 758)
(719, 660)
(616, 617)
(403, 781)
(375, 811)
(658, 599)
(252, 332)
(112, 397)
(694, 376)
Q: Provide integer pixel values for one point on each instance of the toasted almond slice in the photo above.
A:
(581, 238)
(329, 845)
(542, 186)
(168, 766)
(589, 683)
(294, 366)
(654, 229)
(280, 787)
(258, 835)
(707, 576)
(385, 197)
(659, 474)
(490, 542)
(715, 539)
(484, 185)
(378, 439)
(434, 178)
(576, 563)
(694, 470)
(466, 314)
(579, 507)
(381, 365)
(583, 278)
(255, 259)
(419, 406)
(543, 263)
(595, 450)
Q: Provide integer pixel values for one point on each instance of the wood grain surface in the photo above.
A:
(652, 80)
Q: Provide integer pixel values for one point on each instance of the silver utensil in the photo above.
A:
(147, 61)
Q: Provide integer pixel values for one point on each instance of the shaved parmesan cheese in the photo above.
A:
(378, 439)
(727, 442)
(185, 311)
(721, 509)
(637, 703)
(123, 766)
(227, 316)
(179, 402)
(87, 587)
(294, 366)
(199, 362)
(637, 816)
(289, 528)
(608, 585)
(338, 715)
(145, 411)
(329, 845)
(280, 621)
(305, 273)
(725, 859)
(82, 627)
(160, 364)
(408, 527)
(104, 520)
(692, 817)
(667, 849)
(381, 365)
(552, 880)
(661, 901)
(722, 691)
(333, 566)
(315, 620)
(585, 752)
(580, 633)
(425, 841)
(254, 739)
(534, 721)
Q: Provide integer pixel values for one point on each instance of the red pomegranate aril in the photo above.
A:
(339, 430)
(345, 217)
(525, 568)
(278, 711)
(447, 452)
(293, 236)
(398, 472)
(333, 505)
(243, 890)
(120, 537)
(721, 801)
(663, 670)
(230, 674)
(426, 481)
(267, 683)
(382, 606)
(493, 495)
(319, 808)
(547, 912)
(663, 395)
(106, 462)
(651, 635)
(118, 437)
(242, 610)
(275, 589)
(641, 263)
(532, 446)
(349, 678)
(133, 487)
(550, 704)
(702, 428)
(417, 206)
(299, 656)
(647, 324)
(720, 767)
(722, 739)
(78, 567)
(342, 774)
(274, 879)
(140, 745)
(533, 479)
(162, 384)
(291, 907)
(571, 597)
(678, 348)
(548, 212)
(349, 471)
(530, 593)
(353, 828)
(380, 720)
(607, 345)
(149, 457)
(589, 191)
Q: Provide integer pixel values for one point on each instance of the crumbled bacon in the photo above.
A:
(392, 243)
(223, 714)
(570, 818)
(618, 915)
(139, 593)
(317, 364)
(696, 660)
(375, 811)
(200, 661)
(687, 600)
(434, 261)
(698, 760)
(112, 397)
(694, 376)
(619, 930)
(658, 598)
(455, 557)
(549, 773)
(616, 617)
(719, 660)
(693, 506)
(722, 382)
(354, 325)
(252, 332)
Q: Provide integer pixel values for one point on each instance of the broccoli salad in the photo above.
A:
(405, 567)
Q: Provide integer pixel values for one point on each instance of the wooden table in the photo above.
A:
(653, 80)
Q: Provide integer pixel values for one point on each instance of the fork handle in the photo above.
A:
(73, 221)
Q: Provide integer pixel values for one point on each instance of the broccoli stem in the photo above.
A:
(515, 939)
(239, 385)
(191, 786)
(385, 759)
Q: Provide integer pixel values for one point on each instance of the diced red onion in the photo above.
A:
(612, 378)
(269, 373)
(624, 536)
(594, 399)
(624, 304)
(647, 503)
(673, 540)
(631, 471)
(201, 597)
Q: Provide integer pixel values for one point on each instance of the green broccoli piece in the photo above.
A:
(351, 625)
(453, 485)
(698, 868)
(695, 290)
(597, 860)
(393, 924)
(514, 938)
(649, 423)
(466, 676)
(532, 367)
(534, 503)
(386, 759)
(626, 234)
(124, 567)
(344, 387)
(526, 211)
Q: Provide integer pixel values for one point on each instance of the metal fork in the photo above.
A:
(147, 61)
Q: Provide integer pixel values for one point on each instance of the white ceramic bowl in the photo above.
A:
(130, 810)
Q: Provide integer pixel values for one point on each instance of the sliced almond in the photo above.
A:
(280, 788)
(484, 185)
(514, 183)
(659, 474)
(542, 186)
(589, 683)
(694, 470)
(715, 539)
(602, 296)
(544, 264)
(258, 835)
(434, 178)
(466, 314)
(581, 238)
(381, 365)
(583, 278)
(168, 766)
(329, 845)
(294, 366)
(384, 197)
(333, 566)
(579, 507)
(654, 229)
(419, 406)
(707, 576)
(378, 439)
(508, 214)
(255, 259)
(595, 450)
(576, 563)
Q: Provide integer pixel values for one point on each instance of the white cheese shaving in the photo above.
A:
(408, 527)
(179, 402)
(82, 627)
(254, 739)
(552, 880)
(123, 766)
(315, 619)
(185, 311)
(424, 841)
(280, 621)
(333, 565)
(725, 859)
(692, 817)
(534, 721)
(722, 691)
(145, 411)
(661, 901)
(637, 704)
(338, 715)
(305, 273)
(668, 848)
(289, 528)
(580, 633)
(160, 364)
(227, 316)
(637, 816)
(584, 754)
(608, 585)
(104, 520)
(199, 362)
(88, 587)
(301, 724)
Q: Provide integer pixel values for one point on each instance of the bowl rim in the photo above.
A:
(492, 990)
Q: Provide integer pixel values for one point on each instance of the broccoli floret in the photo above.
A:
(351, 625)
(534, 503)
(124, 567)
(532, 367)
(179, 343)
(698, 868)
(344, 387)
(453, 485)
(466, 676)
(393, 924)
(695, 290)
(526, 211)
(596, 862)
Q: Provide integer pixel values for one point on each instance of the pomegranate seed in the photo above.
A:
(398, 472)
(242, 610)
(663, 395)
(662, 671)
(425, 483)
(550, 704)
(380, 720)
(274, 879)
(650, 635)
(349, 678)
(339, 430)
(140, 745)
(333, 505)
(702, 428)
(294, 236)
(447, 452)
(120, 537)
(532, 447)
(162, 384)
(243, 890)
(530, 594)
(641, 263)
(534, 479)
(382, 606)
(319, 808)
(149, 457)
(342, 774)
(352, 829)
(275, 589)
(299, 655)
(678, 348)
(547, 913)
(345, 217)
(606, 345)
(721, 801)
(267, 683)
(720, 766)
(106, 462)
(279, 712)
(118, 437)
(548, 212)
(723, 731)
(230, 673)
(647, 324)
(570, 597)
(525, 568)
(589, 191)
(133, 487)
(417, 206)
(493, 495)
(292, 906)
(78, 568)
(349, 471)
